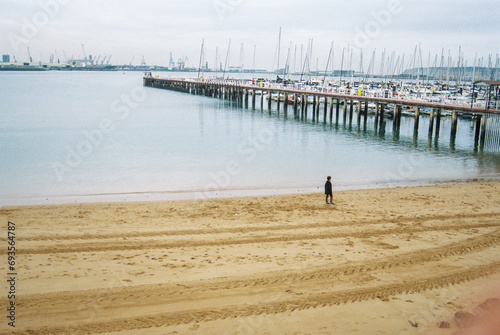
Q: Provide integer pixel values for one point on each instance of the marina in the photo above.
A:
(325, 102)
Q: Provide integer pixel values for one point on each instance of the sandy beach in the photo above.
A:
(381, 261)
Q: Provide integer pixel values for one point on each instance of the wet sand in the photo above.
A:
(377, 262)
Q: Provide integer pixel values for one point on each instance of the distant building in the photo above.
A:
(235, 69)
(6, 58)
(74, 62)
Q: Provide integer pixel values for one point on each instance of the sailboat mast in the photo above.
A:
(441, 65)
(279, 47)
(361, 70)
(371, 65)
(350, 68)
(242, 56)
(317, 68)
(201, 57)
(448, 71)
(428, 67)
(216, 58)
(254, 51)
(301, 54)
(306, 59)
(309, 59)
(459, 67)
(474, 70)
(287, 62)
(227, 59)
(342, 66)
(382, 64)
(328, 62)
(295, 60)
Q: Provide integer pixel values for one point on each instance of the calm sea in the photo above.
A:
(102, 136)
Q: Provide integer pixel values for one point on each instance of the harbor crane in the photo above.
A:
(171, 63)
(182, 62)
(84, 56)
(29, 56)
(83, 50)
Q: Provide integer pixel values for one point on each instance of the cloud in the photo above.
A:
(155, 28)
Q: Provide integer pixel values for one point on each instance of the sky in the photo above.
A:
(129, 30)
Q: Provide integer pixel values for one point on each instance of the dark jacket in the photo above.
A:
(328, 187)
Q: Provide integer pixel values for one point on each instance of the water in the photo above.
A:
(99, 136)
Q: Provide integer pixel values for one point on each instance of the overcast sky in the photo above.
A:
(131, 29)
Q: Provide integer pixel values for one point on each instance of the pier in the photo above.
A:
(300, 100)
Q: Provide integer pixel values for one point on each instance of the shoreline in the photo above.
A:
(134, 197)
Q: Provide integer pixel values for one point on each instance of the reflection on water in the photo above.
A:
(163, 142)
(430, 141)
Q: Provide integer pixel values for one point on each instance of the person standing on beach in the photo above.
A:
(328, 190)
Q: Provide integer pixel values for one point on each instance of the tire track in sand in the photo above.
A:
(283, 305)
(145, 245)
(416, 258)
(242, 230)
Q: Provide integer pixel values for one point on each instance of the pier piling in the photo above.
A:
(454, 121)
(295, 100)
(351, 111)
(438, 122)
(431, 121)
(483, 132)
(239, 93)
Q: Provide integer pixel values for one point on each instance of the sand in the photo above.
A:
(375, 263)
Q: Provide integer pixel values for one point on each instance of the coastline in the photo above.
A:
(224, 193)
(279, 264)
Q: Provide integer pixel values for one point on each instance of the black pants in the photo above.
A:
(331, 198)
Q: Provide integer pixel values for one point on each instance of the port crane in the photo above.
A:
(84, 56)
(29, 56)
(182, 63)
(171, 63)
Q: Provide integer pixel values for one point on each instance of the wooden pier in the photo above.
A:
(242, 93)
